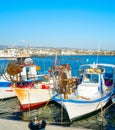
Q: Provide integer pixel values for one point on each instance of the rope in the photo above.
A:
(108, 107)
(61, 111)
(103, 109)
(62, 123)
(43, 109)
(47, 101)
(1, 100)
(46, 104)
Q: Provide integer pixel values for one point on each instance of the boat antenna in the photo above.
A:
(87, 60)
(56, 61)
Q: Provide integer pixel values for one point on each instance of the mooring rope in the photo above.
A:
(104, 109)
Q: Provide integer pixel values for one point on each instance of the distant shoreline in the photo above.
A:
(44, 52)
(45, 56)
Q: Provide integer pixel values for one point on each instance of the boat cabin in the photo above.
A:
(95, 82)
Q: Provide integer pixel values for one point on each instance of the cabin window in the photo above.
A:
(92, 78)
(86, 78)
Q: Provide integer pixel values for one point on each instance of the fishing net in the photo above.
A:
(13, 69)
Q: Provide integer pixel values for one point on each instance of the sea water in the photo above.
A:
(54, 113)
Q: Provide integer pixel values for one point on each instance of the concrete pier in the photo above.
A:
(20, 125)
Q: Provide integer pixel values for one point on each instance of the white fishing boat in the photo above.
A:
(37, 93)
(91, 94)
(5, 89)
(32, 89)
(34, 94)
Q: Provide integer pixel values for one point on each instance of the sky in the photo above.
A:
(79, 24)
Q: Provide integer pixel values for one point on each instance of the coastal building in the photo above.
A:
(28, 52)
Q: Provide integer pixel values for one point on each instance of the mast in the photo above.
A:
(98, 53)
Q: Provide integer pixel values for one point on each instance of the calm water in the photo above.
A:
(104, 120)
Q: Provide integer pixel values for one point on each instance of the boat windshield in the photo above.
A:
(92, 78)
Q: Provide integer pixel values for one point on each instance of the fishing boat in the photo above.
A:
(92, 93)
(34, 94)
(38, 93)
(5, 89)
(32, 89)
(28, 72)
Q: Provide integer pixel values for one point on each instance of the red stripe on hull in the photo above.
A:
(26, 107)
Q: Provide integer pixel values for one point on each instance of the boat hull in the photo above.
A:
(32, 98)
(6, 92)
(79, 107)
(79, 110)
